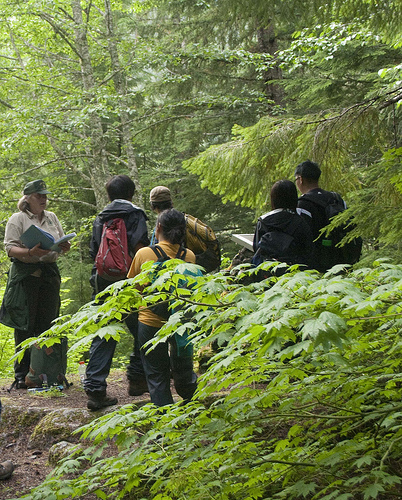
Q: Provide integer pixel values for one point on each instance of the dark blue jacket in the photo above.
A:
(135, 220)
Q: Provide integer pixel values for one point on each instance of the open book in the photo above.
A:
(34, 235)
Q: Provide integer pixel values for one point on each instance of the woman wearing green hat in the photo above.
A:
(33, 268)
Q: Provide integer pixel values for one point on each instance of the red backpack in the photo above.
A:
(113, 259)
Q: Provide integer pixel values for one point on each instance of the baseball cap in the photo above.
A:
(160, 193)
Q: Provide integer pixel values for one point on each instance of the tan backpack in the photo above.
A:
(201, 239)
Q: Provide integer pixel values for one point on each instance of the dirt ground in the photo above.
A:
(31, 465)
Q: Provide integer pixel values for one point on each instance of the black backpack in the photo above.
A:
(279, 245)
(329, 253)
(162, 309)
(276, 245)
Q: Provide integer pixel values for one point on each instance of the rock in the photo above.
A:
(22, 417)
(57, 426)
(15, 423)
(59, 451)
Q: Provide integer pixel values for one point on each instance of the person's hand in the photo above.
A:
(65, 247)
(37, 251)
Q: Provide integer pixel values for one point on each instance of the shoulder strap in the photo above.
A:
(338, 197)
(181, 253)
(161, 254)
(323, 200)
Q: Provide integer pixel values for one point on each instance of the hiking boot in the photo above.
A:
(137, 388)
(98, 400)
(6, 469)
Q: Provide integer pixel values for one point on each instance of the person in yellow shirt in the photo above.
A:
(159, 363)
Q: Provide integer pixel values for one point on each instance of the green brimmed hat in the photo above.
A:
(37, 186)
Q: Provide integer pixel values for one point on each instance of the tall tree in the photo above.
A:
(342, 93)
(59, 49)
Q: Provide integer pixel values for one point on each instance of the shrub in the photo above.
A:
(302, 399)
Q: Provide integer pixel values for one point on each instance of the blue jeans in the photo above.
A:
(159, 364)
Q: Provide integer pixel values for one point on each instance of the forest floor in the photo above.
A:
(30, 458)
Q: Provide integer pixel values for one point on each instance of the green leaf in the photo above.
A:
(372, 491)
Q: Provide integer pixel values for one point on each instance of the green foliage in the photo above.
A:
(6, 352)
(302, 399)
(335, 65)
(342, 86)
(52, 392)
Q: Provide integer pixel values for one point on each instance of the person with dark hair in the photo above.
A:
(170, 232)
(120, 187)
(120, 190)
(313, 203)
(282, 234)
(34, 271)
(310, 173)
(284, 195)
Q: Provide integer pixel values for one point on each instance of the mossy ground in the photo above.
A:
(31, 424)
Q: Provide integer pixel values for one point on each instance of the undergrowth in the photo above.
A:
(302, 399)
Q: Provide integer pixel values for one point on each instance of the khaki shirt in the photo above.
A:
(146, 254)
(19, 222)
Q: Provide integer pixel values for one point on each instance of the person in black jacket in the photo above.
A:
(120, 190)
(312, 203)
(282, 234)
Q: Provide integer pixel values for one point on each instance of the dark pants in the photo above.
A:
(43, 297)
(158, 364)
(135, 369)
(101, 355)
(101, 352)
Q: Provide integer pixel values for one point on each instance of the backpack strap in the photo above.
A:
(181, 253)
(338, 198)
(160, 253)
(323, 200)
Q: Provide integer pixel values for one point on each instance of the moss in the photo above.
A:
(14, 417)
(58, 425)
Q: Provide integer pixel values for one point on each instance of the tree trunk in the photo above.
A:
(98, 166)
(119, 80)
(267, 44)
